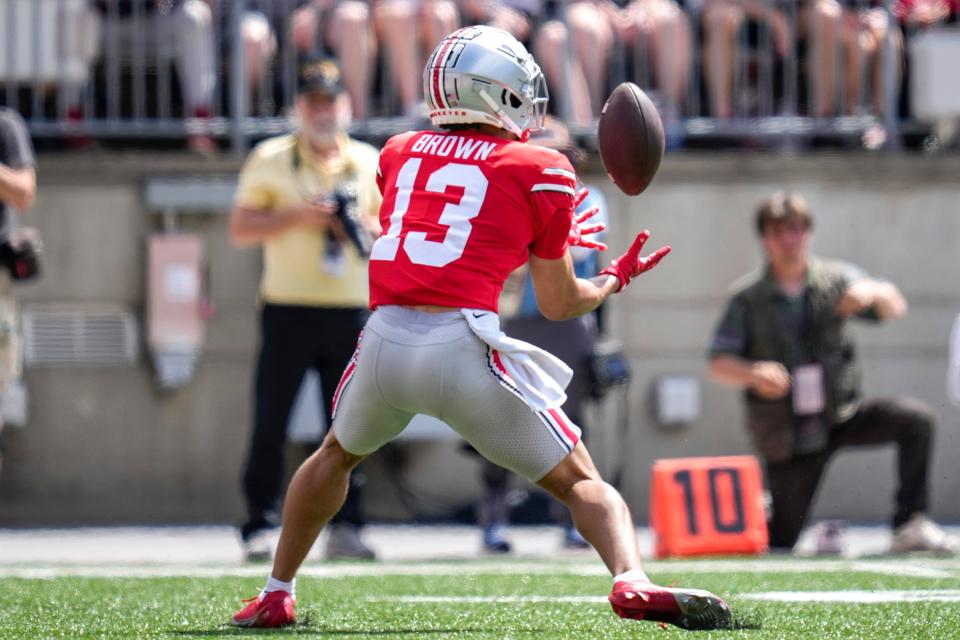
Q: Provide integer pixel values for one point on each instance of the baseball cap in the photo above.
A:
(318, 74)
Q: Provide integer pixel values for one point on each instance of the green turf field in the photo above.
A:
(488, 599)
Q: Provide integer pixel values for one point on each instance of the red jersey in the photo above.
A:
(461, 210)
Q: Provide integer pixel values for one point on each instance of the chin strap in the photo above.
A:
(508, 122)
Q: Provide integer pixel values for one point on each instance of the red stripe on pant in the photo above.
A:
(499, 364)
(560, 419)
(344, 379)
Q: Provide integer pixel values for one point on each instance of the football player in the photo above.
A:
(462, 208)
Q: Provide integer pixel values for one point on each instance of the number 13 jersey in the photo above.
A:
(460, 211)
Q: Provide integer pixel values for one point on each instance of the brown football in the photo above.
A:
(630, 137)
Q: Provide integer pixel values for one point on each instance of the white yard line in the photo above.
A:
(856, 596)
(918, 568)
(851, 597)
(492, 599)
(317, 571)
(900, 568)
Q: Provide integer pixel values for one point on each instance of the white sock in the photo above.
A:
(279, 585)
(634, 575)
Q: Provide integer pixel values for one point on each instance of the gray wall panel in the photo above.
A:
(104, 446)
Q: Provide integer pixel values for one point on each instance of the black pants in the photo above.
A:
(906, 422)
(293, 339)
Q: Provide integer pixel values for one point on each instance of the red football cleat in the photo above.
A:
(274, 610)
(692, 609)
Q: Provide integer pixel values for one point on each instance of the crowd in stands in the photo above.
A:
(716, 58)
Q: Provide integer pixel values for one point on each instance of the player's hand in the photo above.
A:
(771, 380)
(631, 264)
(581, 228)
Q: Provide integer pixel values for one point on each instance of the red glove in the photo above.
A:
(630, 265)
(578, 229)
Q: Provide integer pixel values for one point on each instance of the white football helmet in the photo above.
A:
(484, 75)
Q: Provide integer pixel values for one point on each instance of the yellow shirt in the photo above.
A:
(278, 173)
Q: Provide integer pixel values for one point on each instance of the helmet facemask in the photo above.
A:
(540, 99)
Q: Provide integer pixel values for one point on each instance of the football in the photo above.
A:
(630, 137)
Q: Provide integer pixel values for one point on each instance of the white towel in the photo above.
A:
(953, 370)
(541, 377)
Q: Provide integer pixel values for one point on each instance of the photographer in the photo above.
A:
(784, 341)
(310, 200)
(18, 188)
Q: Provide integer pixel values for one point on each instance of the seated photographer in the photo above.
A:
(308, 199)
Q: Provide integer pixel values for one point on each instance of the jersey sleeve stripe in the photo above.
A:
(556, 171)
(546, 186)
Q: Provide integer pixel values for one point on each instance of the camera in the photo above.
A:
(20, 254)
(347, 211)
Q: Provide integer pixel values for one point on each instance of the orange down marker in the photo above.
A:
(708, 506)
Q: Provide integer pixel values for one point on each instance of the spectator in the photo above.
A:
(259, 41)
(345, 29)
(314, 286)
(570, 340)
(18, 188)
(519, 18)
(722, 21)
(405, 28)
(408, 31)
(923, 14)
(857, 32)
(661, 29)
(843, 39)
(657, 27)
(181, 30)
(575, 52)
(784, 339)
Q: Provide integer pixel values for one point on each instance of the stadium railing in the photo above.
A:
(59, 68)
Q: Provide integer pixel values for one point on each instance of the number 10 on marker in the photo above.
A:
(703, 506)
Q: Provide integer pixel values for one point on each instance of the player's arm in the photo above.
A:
(251, 226)
(561, 295)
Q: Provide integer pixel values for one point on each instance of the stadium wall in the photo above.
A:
(104, 446)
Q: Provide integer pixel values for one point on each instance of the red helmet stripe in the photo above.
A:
(438, 96)
(439, 65)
